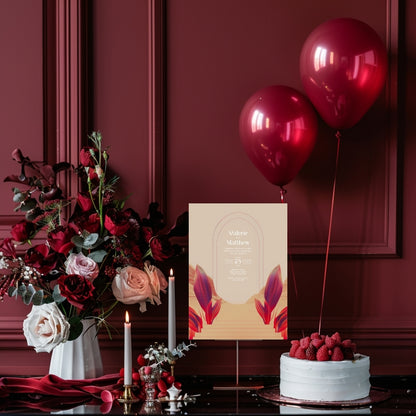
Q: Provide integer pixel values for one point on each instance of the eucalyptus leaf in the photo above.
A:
(21, 290)
(78, 240)
(37, 298)
(76, 328)
(88, 242)
(90, 239)
(97, 256)
(57, 297)
(12, 291)
(27, 297)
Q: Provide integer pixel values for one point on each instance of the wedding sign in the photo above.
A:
(238, 271)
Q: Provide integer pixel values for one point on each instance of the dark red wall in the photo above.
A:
(217, 54)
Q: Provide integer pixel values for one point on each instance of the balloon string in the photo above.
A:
(283, 192)
(338, 136)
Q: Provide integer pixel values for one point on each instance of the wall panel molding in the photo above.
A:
(157, 143)
(70, 84)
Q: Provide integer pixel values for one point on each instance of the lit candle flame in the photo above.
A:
(127, 317)
(171, 272)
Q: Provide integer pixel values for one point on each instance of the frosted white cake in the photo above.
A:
(325, 380)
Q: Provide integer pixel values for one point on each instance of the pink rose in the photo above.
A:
(132, 285)
(82, 265)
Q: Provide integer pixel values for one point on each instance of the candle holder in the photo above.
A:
(150, 376)
(128, 396)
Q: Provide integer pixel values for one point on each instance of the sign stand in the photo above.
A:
(250, 385)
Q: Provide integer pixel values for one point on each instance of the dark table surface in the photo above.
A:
(219, 395)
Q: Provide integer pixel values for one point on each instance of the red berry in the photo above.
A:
(170, 379)
(337, 338)
(317, 342)
(148, 370)
(300, 354)
(121, 372)
(348, 354)
(337, 354)
(178, 384)
(141, 361)
(347, 343)
(161, 385)
(310, 353)
(322, 354)
(330, 342)
(293, 348)
(304, 342)
(315, 335)
(135, 376)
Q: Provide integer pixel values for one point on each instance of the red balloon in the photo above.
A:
(343, 66)
(278, 128)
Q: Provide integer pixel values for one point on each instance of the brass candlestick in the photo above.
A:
(172, 368)
(128, 396)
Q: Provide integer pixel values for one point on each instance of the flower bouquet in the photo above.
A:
(93, 252)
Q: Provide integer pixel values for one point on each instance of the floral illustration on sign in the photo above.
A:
(209, 306)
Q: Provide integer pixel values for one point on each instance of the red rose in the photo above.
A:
(85, 156)
(161, 248)
(60, 239)
(147, 233)
(116, 222)
(84, 201)
(77, 290)
(22, 231)
(92, 223)
(41, 258)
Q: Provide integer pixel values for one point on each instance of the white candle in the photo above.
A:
(171, 313)
(127, 351)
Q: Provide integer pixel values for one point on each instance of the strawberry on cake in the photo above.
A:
(324, 368)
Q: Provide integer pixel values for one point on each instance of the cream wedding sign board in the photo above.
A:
(238, 271)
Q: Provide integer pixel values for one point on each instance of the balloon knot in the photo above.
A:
(283, 192)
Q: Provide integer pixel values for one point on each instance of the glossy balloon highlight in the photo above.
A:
(343, 66)
(278, 128)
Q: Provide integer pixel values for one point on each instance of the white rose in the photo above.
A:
(45, 327)
(132, 285)
(82, 265)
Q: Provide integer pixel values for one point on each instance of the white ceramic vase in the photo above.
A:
(78, 359)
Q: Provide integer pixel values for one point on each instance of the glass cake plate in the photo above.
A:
(376, 395)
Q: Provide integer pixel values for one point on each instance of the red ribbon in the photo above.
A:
(52, 385)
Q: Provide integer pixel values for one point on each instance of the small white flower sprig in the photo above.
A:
(157, 354)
